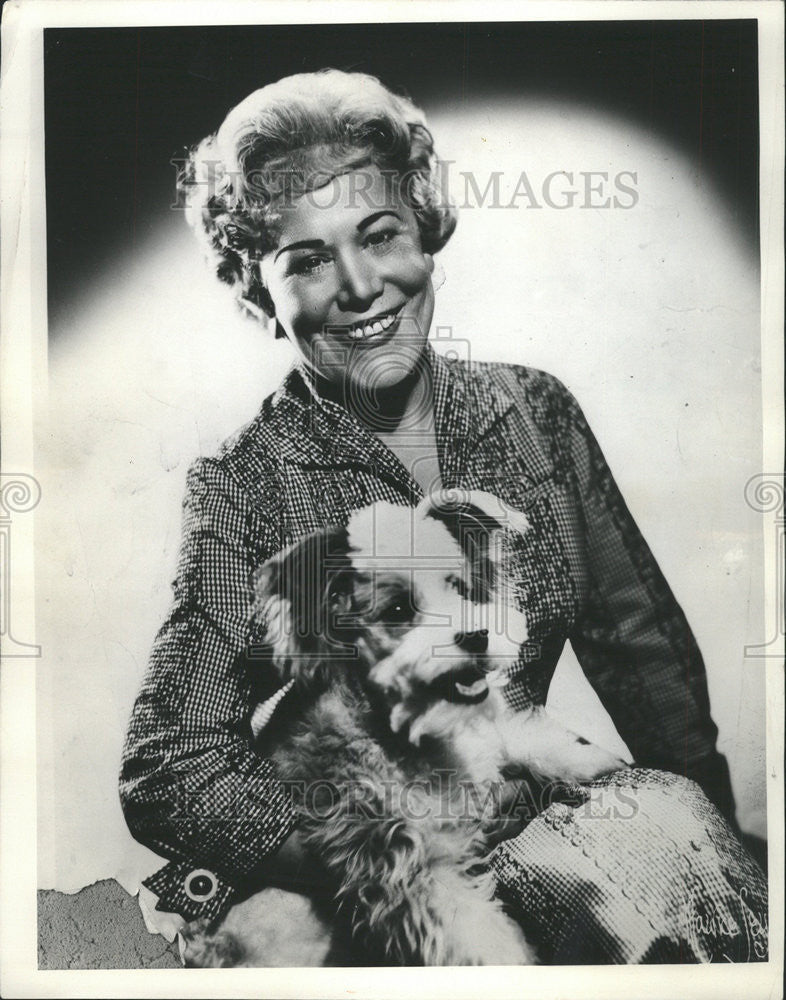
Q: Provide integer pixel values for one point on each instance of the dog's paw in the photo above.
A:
(582, 761)
(540, 742)
(485, 936)
(471, 928)
(271, 929)
(204, 947)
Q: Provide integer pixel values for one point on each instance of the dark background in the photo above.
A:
(121, 103)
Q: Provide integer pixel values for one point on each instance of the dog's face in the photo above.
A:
(411, 602)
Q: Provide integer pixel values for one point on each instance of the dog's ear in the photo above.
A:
(477, 507)
(300, 597)
(477, 521)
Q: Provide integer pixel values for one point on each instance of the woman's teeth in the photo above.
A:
(371, 329)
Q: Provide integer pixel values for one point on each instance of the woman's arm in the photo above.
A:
(191, 785)
(632, 639)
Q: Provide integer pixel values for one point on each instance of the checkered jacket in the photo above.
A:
(192, 787)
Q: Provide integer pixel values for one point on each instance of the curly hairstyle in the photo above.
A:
(294, 136)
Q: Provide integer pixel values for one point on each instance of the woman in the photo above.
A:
(319, 202)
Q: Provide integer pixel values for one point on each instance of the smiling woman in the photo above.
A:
(321, 194)
(319, 204)
(353, 293)
(352, 287)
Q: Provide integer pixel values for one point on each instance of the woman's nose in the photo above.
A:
(359, 283)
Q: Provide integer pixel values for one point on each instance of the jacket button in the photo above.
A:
(201, 885)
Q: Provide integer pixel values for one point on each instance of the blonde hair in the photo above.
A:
(291, 137)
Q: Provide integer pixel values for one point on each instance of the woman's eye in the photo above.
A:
(308, 265)
(381, 237)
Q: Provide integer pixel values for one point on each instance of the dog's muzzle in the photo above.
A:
(469, 685)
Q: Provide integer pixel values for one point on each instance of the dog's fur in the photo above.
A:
(395, 633)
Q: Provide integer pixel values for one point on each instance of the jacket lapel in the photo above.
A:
(313, 433)
(467, 405)
(318, 434)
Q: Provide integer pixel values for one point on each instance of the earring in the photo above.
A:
(438, 276)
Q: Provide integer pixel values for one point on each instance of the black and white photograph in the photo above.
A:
(392, 509)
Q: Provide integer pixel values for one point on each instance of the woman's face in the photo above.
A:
(350, 283)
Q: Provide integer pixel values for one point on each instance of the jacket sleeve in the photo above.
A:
(191, 785)
(632, 638)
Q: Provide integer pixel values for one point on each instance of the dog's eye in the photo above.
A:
(399, 612)
(458, 585)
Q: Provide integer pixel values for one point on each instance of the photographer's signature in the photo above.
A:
(701, 919)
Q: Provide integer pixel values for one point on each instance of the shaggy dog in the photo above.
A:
(393, 634)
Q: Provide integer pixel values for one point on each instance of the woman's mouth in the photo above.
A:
(374, 328)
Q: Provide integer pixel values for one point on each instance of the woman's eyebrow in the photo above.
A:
(316, 244)
(371, 219)
(302, 245)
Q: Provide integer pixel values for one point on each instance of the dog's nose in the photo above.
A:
(473, 642)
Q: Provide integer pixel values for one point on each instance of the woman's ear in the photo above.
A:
(436, 270)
